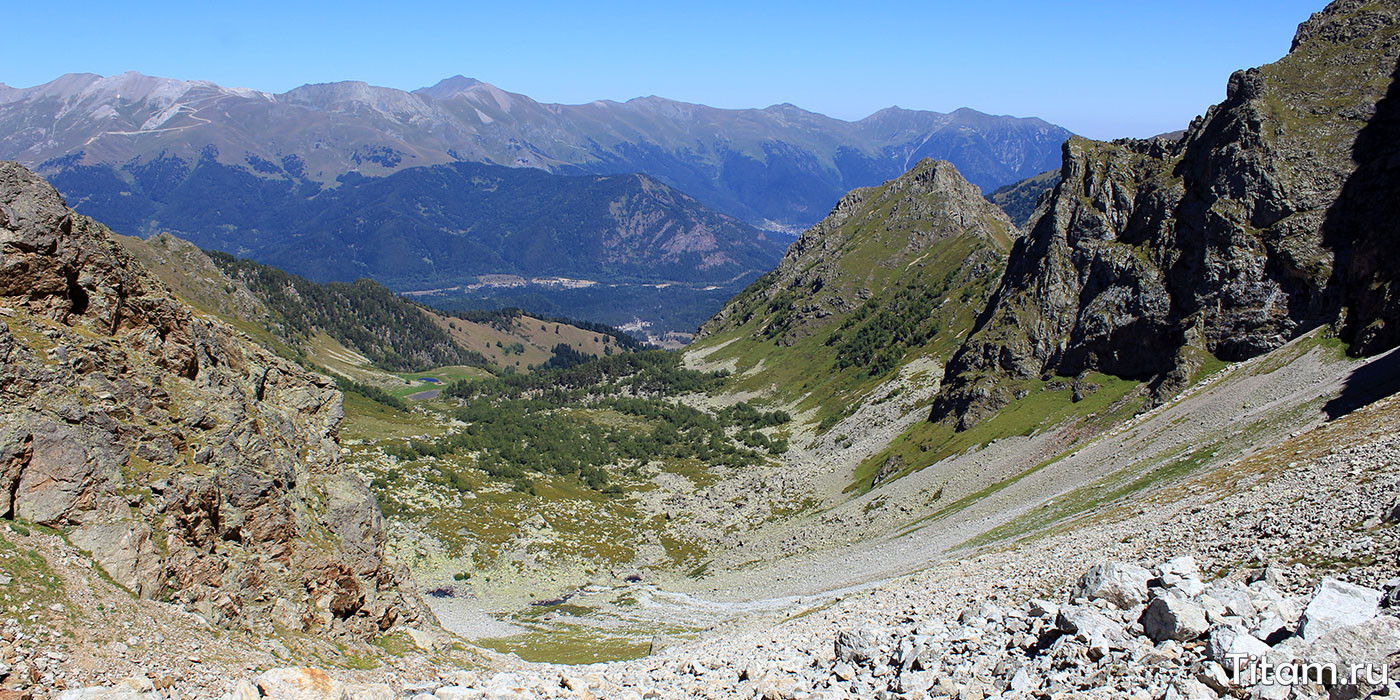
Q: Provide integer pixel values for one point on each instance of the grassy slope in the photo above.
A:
(875, 257)
(205, 286)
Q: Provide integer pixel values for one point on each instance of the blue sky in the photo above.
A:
(1098, 68)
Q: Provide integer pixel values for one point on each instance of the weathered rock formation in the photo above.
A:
(1272, 215)
(194, 465)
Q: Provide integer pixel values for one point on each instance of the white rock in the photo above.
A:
(1172, 616)
(457, 692)
(1092, 627)
(858, 645)
(916, 681)
(1237, 600)
(1233, 647)
(1213, 676)
(245, 690)
(99, 693)
(1179, 568)
(426, 641)
(1023, 682)
(1190, 689)
(1043, 608)
(1337, 604)
(1122, 585)
(1370, 644)
(300, 684)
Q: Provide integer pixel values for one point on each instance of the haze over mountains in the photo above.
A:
(781, 166)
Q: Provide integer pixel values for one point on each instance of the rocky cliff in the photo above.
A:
(193, 465)
(1272, 215)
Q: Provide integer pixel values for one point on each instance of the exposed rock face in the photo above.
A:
(897, 224)
(1268, 218)
(191, 463)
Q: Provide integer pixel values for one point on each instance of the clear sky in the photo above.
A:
(1102, 69)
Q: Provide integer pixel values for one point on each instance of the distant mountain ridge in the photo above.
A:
(431, 227)
(777, 167)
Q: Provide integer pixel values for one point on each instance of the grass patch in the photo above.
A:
(570, 644)
(1045, 405)
(370, 420)
(1102, 491)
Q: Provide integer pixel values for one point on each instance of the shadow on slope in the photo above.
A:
(1363, 227)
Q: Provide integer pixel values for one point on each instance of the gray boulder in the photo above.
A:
(1122, 585)
(1231, 644)
(1173, 616)
(857, 646)
(1232, 599)
(1373, 644)
(124, 549)
(1337, 604)
(1182, 575)
(63, 466)
(1092, 627)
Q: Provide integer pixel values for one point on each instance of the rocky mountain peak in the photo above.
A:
(827, 271)
(447, 88)
(1266, 220)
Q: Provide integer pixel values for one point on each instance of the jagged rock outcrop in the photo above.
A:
(194, 465)
(866, 244)
(1272, 215)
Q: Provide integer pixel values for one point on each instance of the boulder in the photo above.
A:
(244, 690)
(1122, 585)
(1189, 689)
(1181, 575)
(1092, 627)
(373, 691)
(1023, 681)
(857, 646)
(1233, 599)
(1391, 595)
(61, 470)
(1213, 676)
(1230, 645)
(125, 689)
(1173, 616)
(123, 548)
(1337, 604)
(1039, 607)
(300, 684)
(1372, 644)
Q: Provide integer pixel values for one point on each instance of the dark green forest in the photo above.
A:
(519, 425)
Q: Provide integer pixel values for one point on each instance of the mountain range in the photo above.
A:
(434, 226)
(777, 167)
